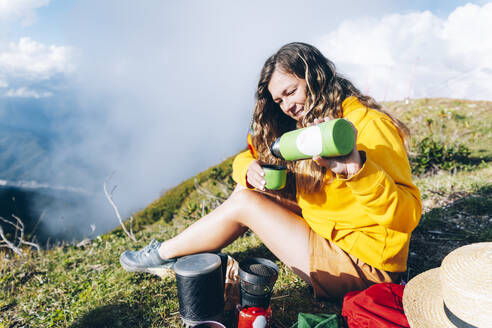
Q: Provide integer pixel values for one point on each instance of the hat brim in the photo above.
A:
(423, 303)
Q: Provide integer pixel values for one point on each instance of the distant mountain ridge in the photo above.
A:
(24, 155)
(38, 185)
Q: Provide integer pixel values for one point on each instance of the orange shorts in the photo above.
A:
(334, 272)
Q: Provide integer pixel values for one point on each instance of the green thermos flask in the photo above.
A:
(328, 139)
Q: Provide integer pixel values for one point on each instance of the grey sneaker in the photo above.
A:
(147, 260)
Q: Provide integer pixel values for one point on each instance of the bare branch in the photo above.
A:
(8, 244)
(21, 229)
(110, 200)
(28, 243)
(131, 225)
(9, 222)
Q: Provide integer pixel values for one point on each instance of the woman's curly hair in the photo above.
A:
(325, 92)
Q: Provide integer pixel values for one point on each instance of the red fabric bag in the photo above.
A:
(379, 306)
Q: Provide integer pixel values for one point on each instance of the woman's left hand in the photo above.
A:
(346, 166)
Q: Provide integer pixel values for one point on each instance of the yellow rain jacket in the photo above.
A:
(372, 214)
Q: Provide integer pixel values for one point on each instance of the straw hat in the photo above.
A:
(457, 294)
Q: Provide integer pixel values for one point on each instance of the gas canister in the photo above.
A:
(254, 317)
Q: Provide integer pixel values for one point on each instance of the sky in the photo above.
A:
(158, 91)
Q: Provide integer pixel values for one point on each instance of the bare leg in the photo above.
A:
(285, 233)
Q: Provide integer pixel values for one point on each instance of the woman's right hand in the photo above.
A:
(255, 176)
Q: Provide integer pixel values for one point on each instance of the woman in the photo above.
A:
(353, 215)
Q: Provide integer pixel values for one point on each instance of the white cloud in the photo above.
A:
(3, 84)
(23, 10)
(468, 33)
(32, 60)
(417, 54)
(27, 93)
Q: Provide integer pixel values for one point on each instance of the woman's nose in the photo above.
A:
(288, 105)
(285, 103)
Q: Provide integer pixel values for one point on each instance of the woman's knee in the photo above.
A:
(244, 197)
(244, 202)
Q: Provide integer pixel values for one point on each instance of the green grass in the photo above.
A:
(449, 120)
(71, 286)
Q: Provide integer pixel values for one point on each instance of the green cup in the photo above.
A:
(275, 176)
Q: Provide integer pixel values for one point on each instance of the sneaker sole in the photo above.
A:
(160, 271)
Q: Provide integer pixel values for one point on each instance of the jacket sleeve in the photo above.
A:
(241, 163)
(384, 185)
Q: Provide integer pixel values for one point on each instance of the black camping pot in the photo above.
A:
(200, 288)
(258, 277)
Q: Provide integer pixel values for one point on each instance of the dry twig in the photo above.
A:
(19, 229)
(7, 244)
(109, 196)
(21, 237)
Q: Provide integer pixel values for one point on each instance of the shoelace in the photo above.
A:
(154, 244)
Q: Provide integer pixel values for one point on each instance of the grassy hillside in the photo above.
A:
(84, 286)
